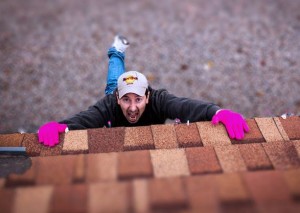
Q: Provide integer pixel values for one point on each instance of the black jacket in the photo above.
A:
(161, 106)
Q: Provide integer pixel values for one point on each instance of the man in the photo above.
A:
(130, 101)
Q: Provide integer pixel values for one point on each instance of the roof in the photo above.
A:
(159, 168)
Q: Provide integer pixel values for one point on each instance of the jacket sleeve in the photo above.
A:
(185, 109)
(95, 116)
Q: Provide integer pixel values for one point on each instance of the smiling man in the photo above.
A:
(135, 103)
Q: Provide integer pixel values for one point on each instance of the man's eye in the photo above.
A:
(125, 100)
(138, 100)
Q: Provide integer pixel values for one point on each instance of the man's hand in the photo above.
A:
(49, 133)
(234, 122)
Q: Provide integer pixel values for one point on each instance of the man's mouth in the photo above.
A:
(132, 117)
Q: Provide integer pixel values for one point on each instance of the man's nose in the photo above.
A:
(132, 106)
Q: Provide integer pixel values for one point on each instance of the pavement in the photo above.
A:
(242, 55)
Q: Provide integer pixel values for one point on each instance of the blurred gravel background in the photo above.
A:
(241, 54)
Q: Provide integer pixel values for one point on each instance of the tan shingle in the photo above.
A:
(281, 129)
(101, 167)
(269, 129)
(213, 135)
(138, 138)
(75, 142)
(169, 162)
(33, 199)
(230, 158)
(110, 197)
(164, 136)
(140, 195)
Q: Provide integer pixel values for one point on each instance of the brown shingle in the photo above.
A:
(188, 135)
(138, 138)
(231, 188)
(202, 193)
(101, 167)
(213, 135)
(106, 139)
(69, 198)
(33, 199)
(11, 140)
(230, 158)
(253, 136)
(267, 186)
(255, 157)
(164, 136)
(6, 198)
(283, 155)
(269, 129)
(33, 147)
(234, 196)
(281, 129)
(75, 142)
(110, 197)
(297, 147)
(55, 170)
(56, 150)
(292, 178)
(79, 168)
(291, 125)
(134, 164)
(202, 160)
(167, 194)
(169, 162)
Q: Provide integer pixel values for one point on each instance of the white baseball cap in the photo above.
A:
(132, 82)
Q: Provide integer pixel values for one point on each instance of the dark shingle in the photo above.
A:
(255, 157)
(188, 135)
(167, 194)
(291, 126)
(202, 160)
(134, 164)
(106, 139)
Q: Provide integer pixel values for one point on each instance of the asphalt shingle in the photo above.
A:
(106, 139)
(134, 164)
(167, 194)
(101, 167)
(188, 135)
(110, 197)
(283, 155)
(255, 157)
(213, 135)
(269, 129)
(291, 127)
(203, 160)
(164, 136)
(230, 158)
(138, 138)
(11, 140)
(75, 142)
(169, 162)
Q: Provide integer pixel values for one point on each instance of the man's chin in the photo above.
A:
(132, 121)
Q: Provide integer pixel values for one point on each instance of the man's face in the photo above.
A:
(133, 106)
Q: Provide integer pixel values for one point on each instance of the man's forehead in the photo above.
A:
(131, 95)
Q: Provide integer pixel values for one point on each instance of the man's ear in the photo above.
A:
(117, 97)
(148, 96)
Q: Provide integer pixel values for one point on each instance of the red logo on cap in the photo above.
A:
(130, 79)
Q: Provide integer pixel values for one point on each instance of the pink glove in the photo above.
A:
(234, 122)
(49, 132)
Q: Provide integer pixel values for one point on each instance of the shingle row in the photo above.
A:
(160, 163)
(105, 140)
(261, 191)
